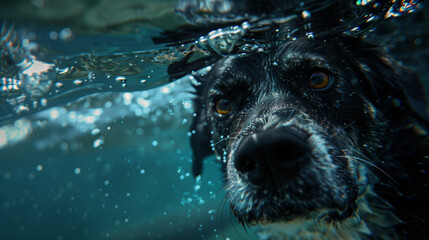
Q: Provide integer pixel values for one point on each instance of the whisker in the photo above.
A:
(222, 206)
(361, 160)
(251, 231)
(232, 220)
(223, 139)
(230, 136)
(232, 225)
(220, 189)
(342, 128)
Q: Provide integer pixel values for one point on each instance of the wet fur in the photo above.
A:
(368, 174)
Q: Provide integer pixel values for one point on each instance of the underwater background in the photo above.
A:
(117, 165)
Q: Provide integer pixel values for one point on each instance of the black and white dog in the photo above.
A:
(318, 138)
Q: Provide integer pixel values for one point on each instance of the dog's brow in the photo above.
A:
(297, 55)
(231, 81)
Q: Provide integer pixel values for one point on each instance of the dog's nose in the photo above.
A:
(272, 157)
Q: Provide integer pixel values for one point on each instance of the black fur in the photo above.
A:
(374, 109)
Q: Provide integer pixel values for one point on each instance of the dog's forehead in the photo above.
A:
(294, 57)
(237, 66)
(322, 51)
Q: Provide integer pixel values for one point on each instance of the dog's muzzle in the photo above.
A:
(271, 158)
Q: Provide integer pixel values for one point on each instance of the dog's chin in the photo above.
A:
(281, 206)
(273, 212)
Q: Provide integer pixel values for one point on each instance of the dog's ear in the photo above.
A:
(390, 85)
(200, 133)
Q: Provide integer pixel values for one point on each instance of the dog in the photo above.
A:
(317, 138)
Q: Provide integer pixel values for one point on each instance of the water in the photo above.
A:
(111, 166)
(94, 137)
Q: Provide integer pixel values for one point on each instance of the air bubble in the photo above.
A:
(53, 35)
(306, 14)
(22, 109)
(65, 34)
(59, 84)
(95, 131)
(121, 79)
(97, 143)
(44, 102)
(212, 215)
(78, 82)
(63, 70)
(39, 168)
(165, 90)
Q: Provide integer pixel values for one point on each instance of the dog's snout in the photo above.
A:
(272, 157)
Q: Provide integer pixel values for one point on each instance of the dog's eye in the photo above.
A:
(319, 80)
(222, 106)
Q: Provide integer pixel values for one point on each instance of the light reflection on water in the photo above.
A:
(35, 75)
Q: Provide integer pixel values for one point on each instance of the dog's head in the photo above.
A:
(293, 126)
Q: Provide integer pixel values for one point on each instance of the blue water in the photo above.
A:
(61, 182)
(116, 194)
